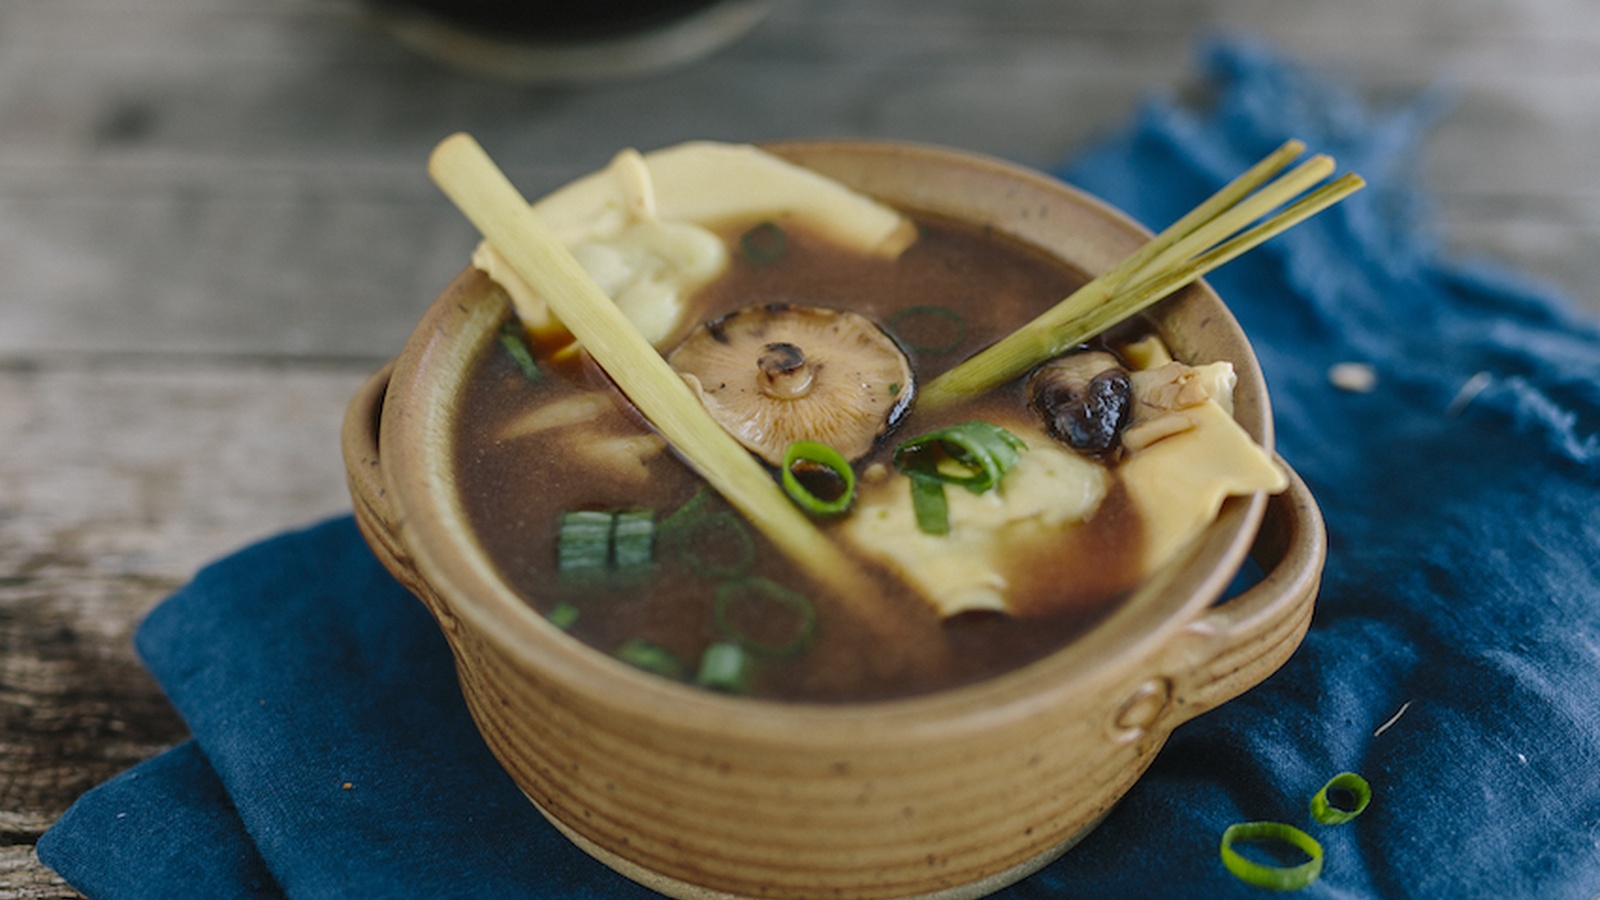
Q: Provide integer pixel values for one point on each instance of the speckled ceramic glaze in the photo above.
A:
(955, 794)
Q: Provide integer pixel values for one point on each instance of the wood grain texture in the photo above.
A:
(214, 222)
(120, 478)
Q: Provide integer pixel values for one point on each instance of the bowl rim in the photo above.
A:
(432, 529)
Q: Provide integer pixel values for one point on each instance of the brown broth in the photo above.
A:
(515, 490)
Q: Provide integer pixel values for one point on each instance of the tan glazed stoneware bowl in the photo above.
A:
(956, 794)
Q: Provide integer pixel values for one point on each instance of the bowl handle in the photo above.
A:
(369, 490)
(1241, 641)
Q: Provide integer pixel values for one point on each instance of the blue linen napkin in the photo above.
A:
(1454, 659)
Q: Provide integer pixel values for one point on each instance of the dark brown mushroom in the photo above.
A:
(1085, 400)
(775, 374)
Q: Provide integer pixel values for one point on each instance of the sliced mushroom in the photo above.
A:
(772, 375)
(1084, 398)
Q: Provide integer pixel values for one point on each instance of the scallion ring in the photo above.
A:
(1262, 875)
(724, 666)
(632, 540)
(921, 319)
(827, 459)
(692, 509)
(764, 244)
(975, 455)
(776, 598)
(929, 505)
(596, 542)
(1357, 791)
(511, 338)
(651, 657)
(583, 544)
(563, 615)
(717, 545)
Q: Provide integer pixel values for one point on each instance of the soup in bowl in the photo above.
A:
(1038, 597)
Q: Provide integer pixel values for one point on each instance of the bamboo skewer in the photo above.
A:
(1216, 231)
(487, 198)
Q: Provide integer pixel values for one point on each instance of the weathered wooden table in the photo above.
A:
(214, 223)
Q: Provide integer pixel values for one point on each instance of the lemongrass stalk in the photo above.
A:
(1221, 201)
(476, 185)
(1019, 351)
(1148, 292)
(1145, 276)
(1137, 297)
(1003, 360)
(1292, 215)
(1247, 210)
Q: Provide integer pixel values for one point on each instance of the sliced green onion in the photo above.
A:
(692, 509)
(632, 537)
(717, 545)
(563, 615)
(1360, 794)
(975, 455)
(929, 505)
(712, 542)
(583, 545)
(595, 542)
(922, 319)
(814, 453)
(764, 244)
(651, 657)
(511, 338)
(769, 593)
(1262, 875)
(725, 667)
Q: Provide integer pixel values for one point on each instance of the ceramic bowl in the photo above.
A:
(954, 794)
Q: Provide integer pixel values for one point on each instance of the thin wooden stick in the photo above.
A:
(487, 198)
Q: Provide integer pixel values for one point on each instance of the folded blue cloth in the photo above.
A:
(332, 753)
(1454, 660)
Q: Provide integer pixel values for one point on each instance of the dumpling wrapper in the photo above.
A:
(1048, 489)
(1176, 485)
(640, 226)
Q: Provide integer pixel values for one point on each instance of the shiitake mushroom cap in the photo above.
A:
(772, 374)
(1085, 400)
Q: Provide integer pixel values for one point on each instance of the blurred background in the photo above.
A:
(215, 222)
(201, 176)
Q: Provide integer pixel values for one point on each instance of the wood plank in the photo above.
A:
(147, 195)
(121, 478)
(23, 878)
(151, 466)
